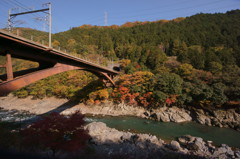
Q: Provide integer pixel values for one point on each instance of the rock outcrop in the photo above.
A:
(112, 141)
(227, 118)
(173, 114)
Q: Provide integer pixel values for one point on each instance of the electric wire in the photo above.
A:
(162, 6)
(20, 5)
(170, 10)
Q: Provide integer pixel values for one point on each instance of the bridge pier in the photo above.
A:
(8, 67)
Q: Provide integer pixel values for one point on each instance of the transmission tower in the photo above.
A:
(11, 16)
(105, 18)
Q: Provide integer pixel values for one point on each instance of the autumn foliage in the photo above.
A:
(195, 61)
(134, 89)
(98, 97)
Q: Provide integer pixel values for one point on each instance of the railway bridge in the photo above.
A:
(51, 62)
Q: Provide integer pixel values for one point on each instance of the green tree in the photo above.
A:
(156, 58)
(196, 57)
(185, 70)
(215, 67)
(159, 98)
(218, 96)
(200, 91)
(169, 83)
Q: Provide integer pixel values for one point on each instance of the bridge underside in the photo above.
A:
(16, 80)
(50, 61)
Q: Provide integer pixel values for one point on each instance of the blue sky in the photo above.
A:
(73, 13)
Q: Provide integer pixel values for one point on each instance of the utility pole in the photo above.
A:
(50, 24)
(49, 9)
(9, 21)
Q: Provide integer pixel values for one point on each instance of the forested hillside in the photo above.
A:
(203, 35)
(185, 61)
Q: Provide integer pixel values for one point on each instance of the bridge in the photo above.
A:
(51, 62)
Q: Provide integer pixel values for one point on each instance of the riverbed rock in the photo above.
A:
(237, 154)
(164, 117)
(172, 114)
(221, 118)
(101, 134)
(227, 118)
(223, 152)
(195, 145)
(174, 145)
(148, 141)
(203, 119)
(109, 140)
(208, 121)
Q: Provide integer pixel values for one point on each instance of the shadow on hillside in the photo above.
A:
(79, 96)
(82, 94)
(61, 108)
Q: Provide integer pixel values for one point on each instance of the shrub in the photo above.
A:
(56, 132)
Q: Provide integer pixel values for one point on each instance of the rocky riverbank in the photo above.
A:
(111, 141)
(172, 114)
(228, 118)
(220, 118)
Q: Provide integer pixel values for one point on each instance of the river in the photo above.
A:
(166, 131)
(169, 131)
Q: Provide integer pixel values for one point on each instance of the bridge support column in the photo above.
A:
(9, 69)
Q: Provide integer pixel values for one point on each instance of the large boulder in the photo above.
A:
(101, 134)
(173, 114)
(164, 117)
(174, 145)
(195, 144)
(203, 119)
(179, 115)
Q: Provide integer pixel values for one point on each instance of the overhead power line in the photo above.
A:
(156, 8)
(165, 11)
(16, 4)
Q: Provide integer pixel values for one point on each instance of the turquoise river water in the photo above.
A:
(169, 131)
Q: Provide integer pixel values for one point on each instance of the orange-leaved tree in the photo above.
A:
(134, 89)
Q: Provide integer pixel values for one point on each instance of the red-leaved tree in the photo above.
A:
(56, 132)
